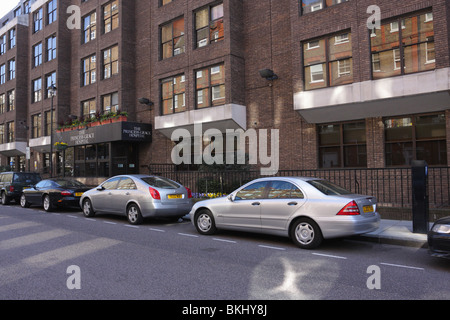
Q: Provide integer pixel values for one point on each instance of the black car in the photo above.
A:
(12, 183)
(439, 238)
(52, 193)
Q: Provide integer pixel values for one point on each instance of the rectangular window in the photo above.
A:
(37, 90)
(404, 50)
(51, 48)
(210, 86)
(307, 6)
(36, 126)
(110, 62)
(10, 136)
(12, 38)
(2, 134)
(2, 103)
(173, 95)
(89, 27)
(110, 16)
(37, 20)
(48, 123)
(89, 108)
(164, 2)
(12, 69)
(52, 7)
(37, 55)
(328, 61)
(342, 145)
(2, 74)
(421, 137)
(172, 38)
(3, 44)
(209, 25)
(110, 102)
(88, 70)
(11, 103)
(50, 79)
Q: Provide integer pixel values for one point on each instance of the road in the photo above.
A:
(63, 255)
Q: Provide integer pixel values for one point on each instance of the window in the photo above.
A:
(37, 20)
(173, 95)
(90, 27)
(48, 122)
(172, 38)
(51, 48)
(404, 50)
(89, 70)
(254, 191)
(10, 132)
(210, 86)
(307, 6)
(37, 90)
(328, 61)
(51, 11)
(2, 134)
(421, 137)
(111, 102)
(110, 62)
(342, 145)
(164, 2)
(126, 184)
(110, 16)
(2, 74)
(50, 79)
(12, 38)
(11, 103)
(37, 55)
(35, 126)
(18, 12)
(284, 190)
(88, 108)
(209, 25)
(12, 69)
(2, 103)
(3, 44)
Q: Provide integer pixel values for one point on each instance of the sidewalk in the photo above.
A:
(397, 232)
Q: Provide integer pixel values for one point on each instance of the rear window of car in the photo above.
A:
(160, 182)
(26, 177)
(69, 183)
(328, 188)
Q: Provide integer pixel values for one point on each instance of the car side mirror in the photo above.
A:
(231, 197)
(100, 188)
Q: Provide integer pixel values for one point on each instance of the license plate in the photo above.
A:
(368, 209)
(25, 188)
(78, 194)
(175, 196)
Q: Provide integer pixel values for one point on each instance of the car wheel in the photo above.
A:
(134, 214)
(88, 211)
(306, 234)
(47, 203)
(204, 222)
(23, 201)
(5, 199)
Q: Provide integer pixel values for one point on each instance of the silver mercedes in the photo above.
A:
(138, 197)
(307, 210)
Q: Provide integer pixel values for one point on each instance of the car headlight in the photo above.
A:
(441, 228)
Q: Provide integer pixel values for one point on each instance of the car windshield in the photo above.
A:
(69, 183)
(27, 177)
(159, 182)
(328, 188)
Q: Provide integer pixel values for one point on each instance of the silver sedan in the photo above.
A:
(307, 210)
(138, 197)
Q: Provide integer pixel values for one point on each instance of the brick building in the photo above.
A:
(345, 96)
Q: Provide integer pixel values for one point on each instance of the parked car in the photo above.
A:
(439, 238)
(138, 197)
(12, 183)
(53, 193)
(307, 210)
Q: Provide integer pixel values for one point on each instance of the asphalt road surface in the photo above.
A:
(63, 255)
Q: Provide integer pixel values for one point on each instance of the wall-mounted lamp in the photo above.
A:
(268, 74)
(145, 101)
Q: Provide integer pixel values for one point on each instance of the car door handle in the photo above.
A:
(255, 204)
(127, 193)
(293, 203)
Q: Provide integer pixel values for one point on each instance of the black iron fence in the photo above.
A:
(391, 186)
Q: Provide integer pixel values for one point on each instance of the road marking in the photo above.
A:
(158, 230)
(401, 266)
(72, 216)
(109, 222)
(329, 256)
(90, 219)
(224, 240)
(187, 235)
(270, 247)
(131, 226)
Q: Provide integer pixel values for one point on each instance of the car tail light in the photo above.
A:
(66, 193)
(189, 192)
(154, 193)
(350, 209)
(11, 188)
